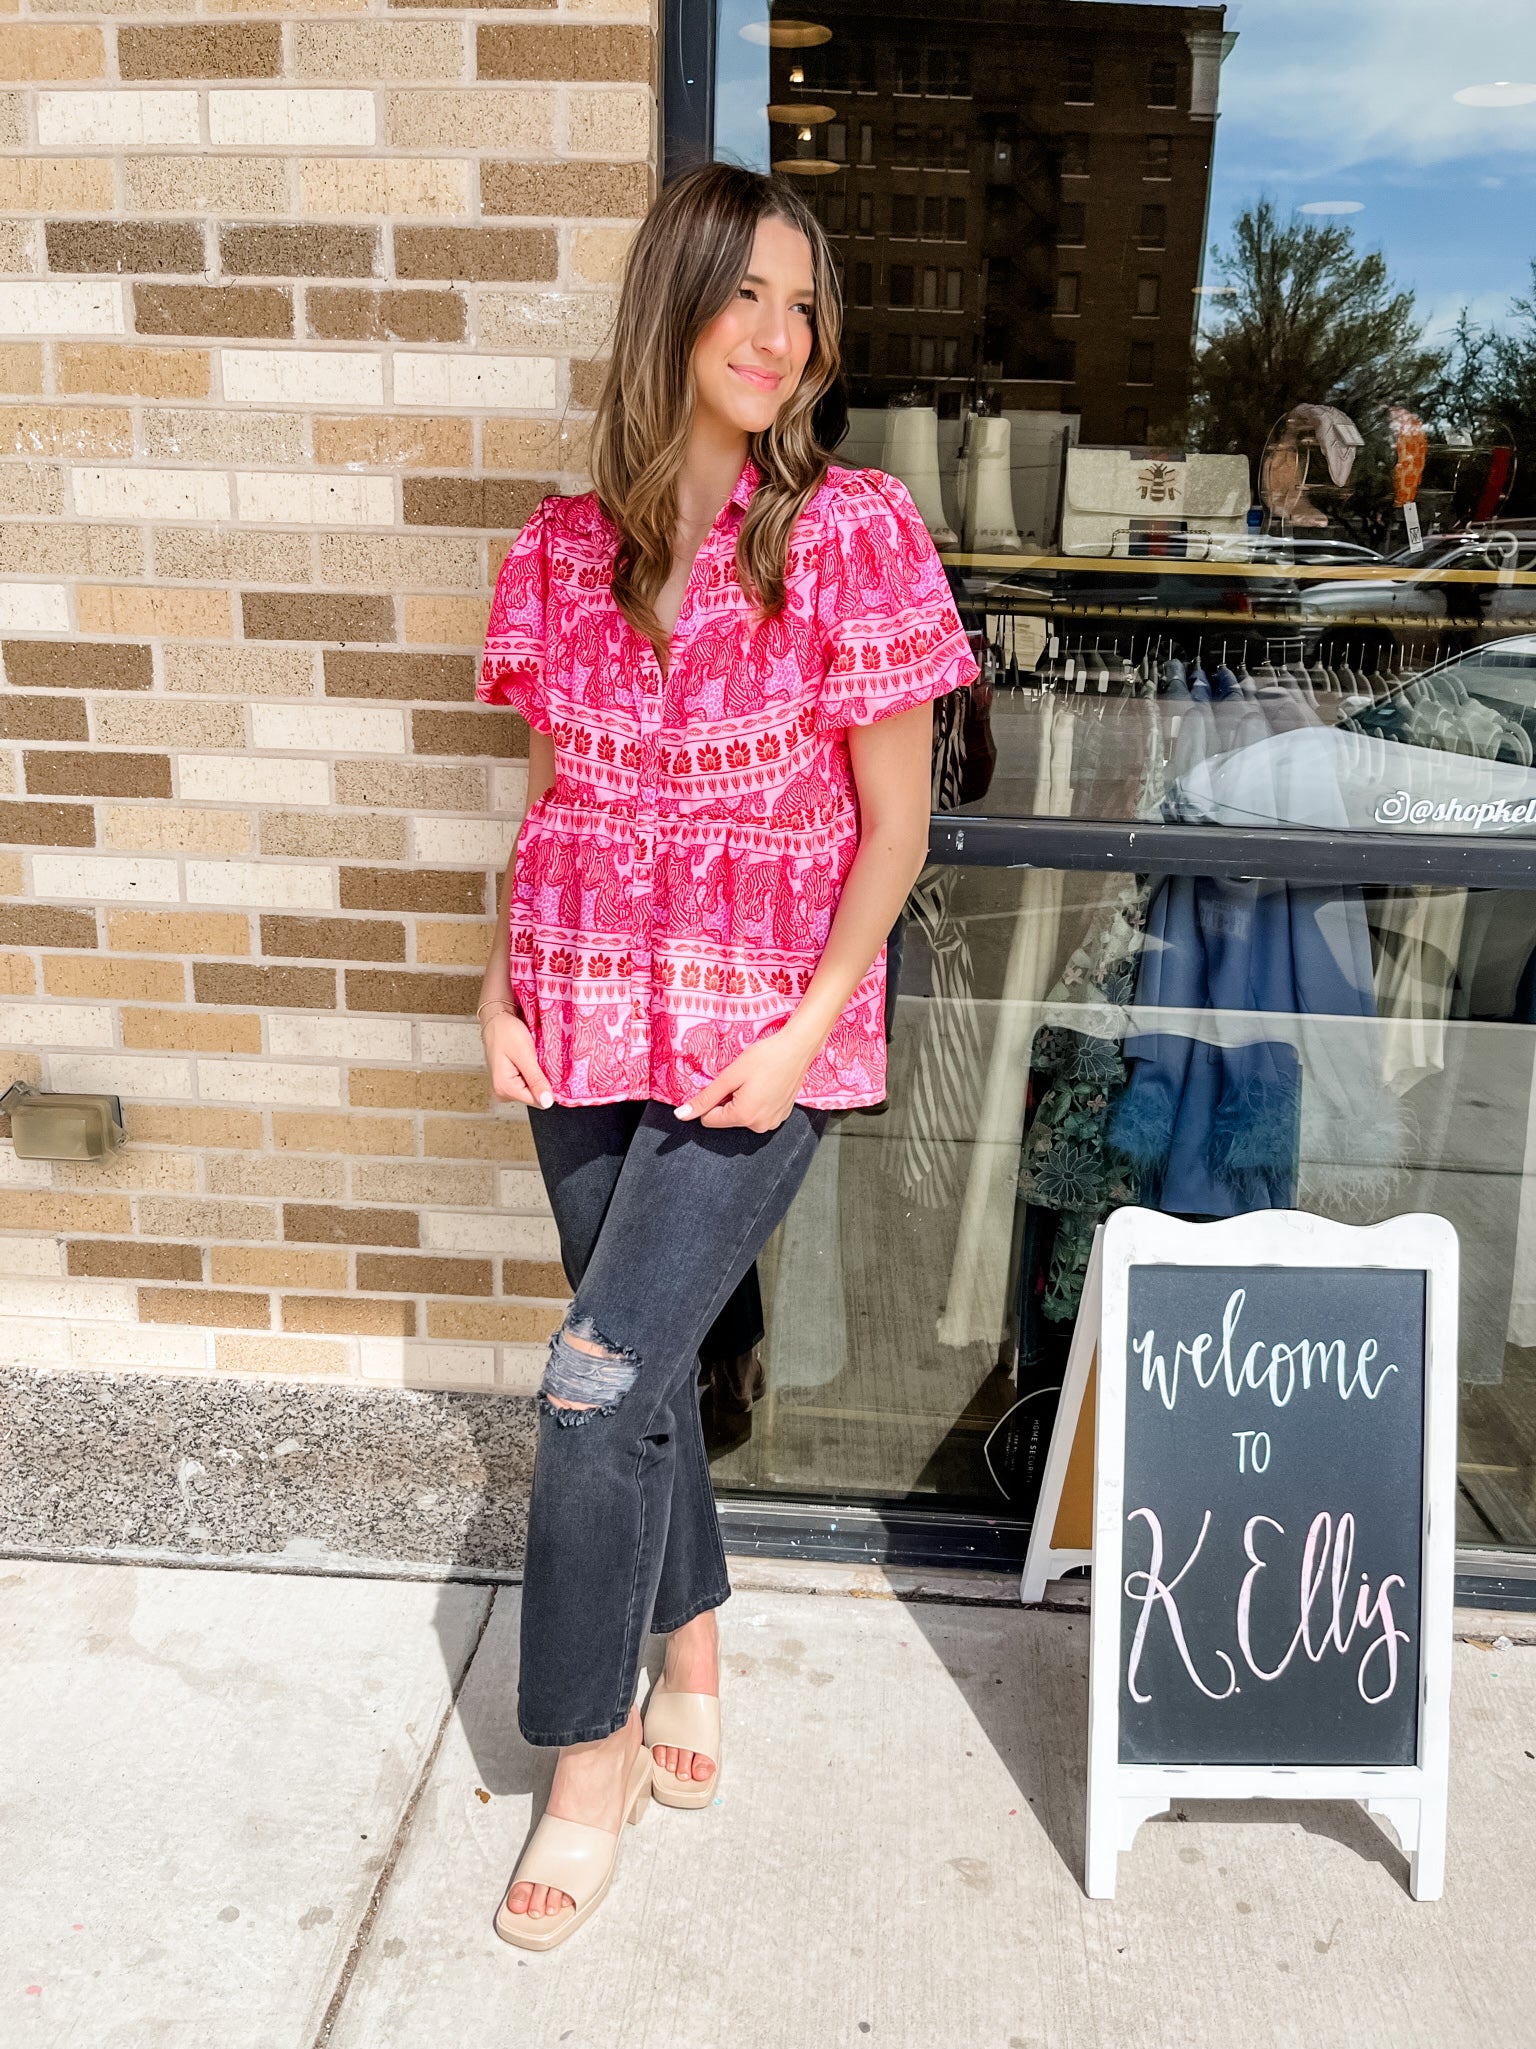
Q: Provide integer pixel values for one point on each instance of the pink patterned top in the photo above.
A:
(674, 889)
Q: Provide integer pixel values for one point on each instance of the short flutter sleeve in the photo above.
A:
(512, 666)
(892, 638)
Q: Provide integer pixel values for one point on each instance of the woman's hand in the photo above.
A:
(516, 1076)
(758, 1089)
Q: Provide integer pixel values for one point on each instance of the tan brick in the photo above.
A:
(167, 722)
(10, 878)
(398, 1088)
(229, 1310)
(289, 1176)
(403, 188)
(483, 1138)
(400, 561)
(307, 1131)
(46, 1209)
(513, 1323)
(316, 833)
(483, 502)
(106, 980)
(18, 248)
(537, 446)
(191, 1031)
(333, 938)
(66, 772)
(451, 944)
(599, 254)
(130, 1259)
(22, 1067)
(125, 246)
(243, 672)
(206, 183)
(27, 488)
(218, 436)
(28, 50)
(47, 825)
(230, 311)
(110, 368)
(275, 1266)
(376, 49)
(446, 622)
(414, 889)
(477, 254)
(68, 664)
(236, 554)
(587, 380)
(165, 1124)
(412, 786)
(296, 615)
(326, 1224)
(270, 988)
(21, 370)
(136, 1167)
(394, 444)
(346, 1313)
(16, 975)
(292, 251)
(50, 718)
(509, 317)
(521, 121)
(56, 185)
(397, 675)
(426, 1274)
(353, 314)
(13, 120)
(565, 191)
(66, 430)
(516, 50)
(199, 1217)
(246, 49)
(301, 1358)
(76, 548)
(127, 609)
(537, 1277)
(370, 989)
(501, 734)
(174, 829)
(459, 1186)
(177, 932)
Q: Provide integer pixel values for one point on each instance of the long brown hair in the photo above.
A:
(690, 255)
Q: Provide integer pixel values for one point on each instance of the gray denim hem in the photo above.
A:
(710, 1601)
(594, 1734)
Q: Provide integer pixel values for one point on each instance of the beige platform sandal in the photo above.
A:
(684, 1721)
(574, 1859)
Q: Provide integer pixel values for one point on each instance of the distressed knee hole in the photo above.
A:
(587, 1374)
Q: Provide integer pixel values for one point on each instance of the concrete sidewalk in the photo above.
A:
(266, 1812)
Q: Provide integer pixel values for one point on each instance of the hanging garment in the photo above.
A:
(1417, 934)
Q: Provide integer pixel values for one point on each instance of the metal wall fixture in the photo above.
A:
(46, 1126)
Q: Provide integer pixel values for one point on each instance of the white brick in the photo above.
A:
(31, 1255)
(264, 1081)
(157, 1347)
(104, 1300)
(93, 307)
(315, 501)
(402, 1361)
(145, 1075)
(316, 1037)
(450, 1045)
(322, 377)
(448, 1230)
(329, 728)
(25, 1343)
(100, 879)
(266, 885)
(34, 607)
(477, 382)
(247, 779)
(462, 842)
(522, 1368)
(15, 1173)
(509, 789)
(116, 120)
(292, 118)
(521, 1189)
(58, 1024)
(151, 494)
(534, 1238)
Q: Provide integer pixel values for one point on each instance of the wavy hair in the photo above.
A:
(690, 255)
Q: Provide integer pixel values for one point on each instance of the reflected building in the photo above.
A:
(1017, 195)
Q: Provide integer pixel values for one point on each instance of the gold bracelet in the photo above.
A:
(498, 1007)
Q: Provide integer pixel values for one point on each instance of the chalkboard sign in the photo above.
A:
(1273, 1518)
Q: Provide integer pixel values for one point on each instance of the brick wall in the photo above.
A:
(299, 312)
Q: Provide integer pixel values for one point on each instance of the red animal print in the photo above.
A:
(675, 888)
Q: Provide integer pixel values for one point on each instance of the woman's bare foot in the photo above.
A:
(693, 1666)
(590, 1779)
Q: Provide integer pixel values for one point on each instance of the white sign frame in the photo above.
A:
(1411, 1797)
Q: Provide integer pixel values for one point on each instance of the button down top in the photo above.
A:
(674, 888)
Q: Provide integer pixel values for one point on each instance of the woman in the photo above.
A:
(726, 655)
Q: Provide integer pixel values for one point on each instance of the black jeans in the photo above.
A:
(658, 1222)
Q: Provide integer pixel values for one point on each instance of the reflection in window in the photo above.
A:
(863, 284)
(1074, 156)
(909, 75)
(866, 213)
(1152, 230)
(1148, 292)
(898, 354)
(1072, 223)
(904, 143)
(1068, 287)
(1141, 363)
(904, 215)
(930, 289)
(866, 143)
(1079, 91)
(956, 219)
(1163, 86)
(1136, 425)
(954, 291)
(1157, 157)
(902, 284)
(933, 218)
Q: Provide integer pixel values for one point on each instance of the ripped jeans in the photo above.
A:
(658, 1222)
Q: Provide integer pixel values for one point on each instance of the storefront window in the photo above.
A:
(1204, 338)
